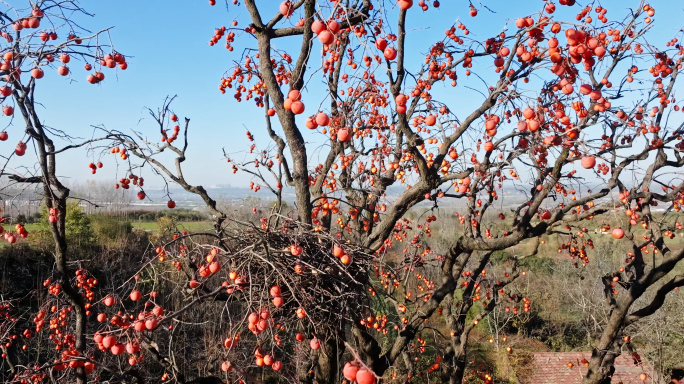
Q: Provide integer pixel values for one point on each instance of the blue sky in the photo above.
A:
(167, 42)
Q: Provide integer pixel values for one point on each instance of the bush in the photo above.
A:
(24, 219)
(79, 231)
(166, 225)
(536, 264)
(109, 228)
(78, 226)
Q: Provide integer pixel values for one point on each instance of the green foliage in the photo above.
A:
(284, 206)
(27, 219)
(41, 239)
(539, 265)
(110, 228)
(78, 225)
(21, 218)
(534, 263)
(179, 214)
(166, 226)
(79, 231)
(501, 257)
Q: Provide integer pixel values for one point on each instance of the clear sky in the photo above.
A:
(167, 42)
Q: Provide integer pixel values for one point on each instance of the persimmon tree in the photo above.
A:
(590, 94)
(579, 115)
(40, 39)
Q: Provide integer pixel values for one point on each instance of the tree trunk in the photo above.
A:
(327, 365)
(454, 366)
(603, 356)
(73, 296)
(324, 365)
(459, 369)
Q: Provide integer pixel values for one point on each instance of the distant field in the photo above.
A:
(31, 227)
(193, 226)
(190, 226)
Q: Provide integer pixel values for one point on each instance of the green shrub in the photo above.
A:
(166, 226)
(79, 231)
(109, 228)
(543, 265)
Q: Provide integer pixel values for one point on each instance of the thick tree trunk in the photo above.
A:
(294, 138)
(454, 365)
(603, 356)
(324, 365)
(459, 369)
(61, 251)
(327, 365)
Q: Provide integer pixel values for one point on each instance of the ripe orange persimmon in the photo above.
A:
(364, 376)
(390, 53)
(135, 295)
(310, 123)
(297, 107)
(151, 324)
(430, 120)
(286, 8)
(349, 371)
(337, 251)
(132, 347)
(343, 135)
(334, 27)
(37, 73)
(294, 95)
(253, 317)
(405, 4)
(295, 250)
(588, 162)
(322, 119)
(117, 349)
(326, 37)
(317, 27)
(278, 301)
(108, 341)
(214, 267)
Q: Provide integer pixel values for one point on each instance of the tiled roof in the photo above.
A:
(553, 368)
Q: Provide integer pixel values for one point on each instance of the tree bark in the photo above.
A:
(603, 355)
(327, 365)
